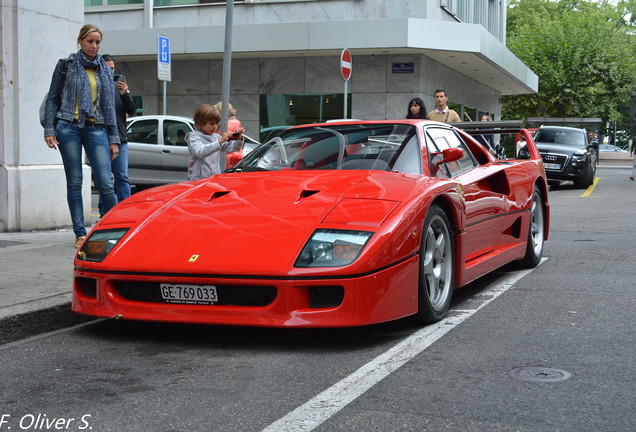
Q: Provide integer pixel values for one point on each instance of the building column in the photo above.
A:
(34, 35)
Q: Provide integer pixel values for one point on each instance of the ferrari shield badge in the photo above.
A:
(460, 192)
(193, 258)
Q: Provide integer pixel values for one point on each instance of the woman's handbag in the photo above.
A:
(46, 96)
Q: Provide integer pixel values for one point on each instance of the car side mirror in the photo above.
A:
(449, 155)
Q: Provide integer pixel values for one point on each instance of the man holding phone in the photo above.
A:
(124, 105)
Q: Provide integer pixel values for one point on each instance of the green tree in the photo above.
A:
(584, 53)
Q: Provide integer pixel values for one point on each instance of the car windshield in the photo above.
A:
(560, 136)
(334, 147)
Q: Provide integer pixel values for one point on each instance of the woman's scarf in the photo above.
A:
(105, 90)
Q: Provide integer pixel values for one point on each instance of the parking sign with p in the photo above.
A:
(163, 58)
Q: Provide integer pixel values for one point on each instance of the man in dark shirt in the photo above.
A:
(124, 104)
(593, 142)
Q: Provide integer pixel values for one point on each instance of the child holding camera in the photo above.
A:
(206, 145)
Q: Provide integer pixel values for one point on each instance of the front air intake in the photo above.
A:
(325, 296)
(86, 287)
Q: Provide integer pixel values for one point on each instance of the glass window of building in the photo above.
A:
(286, 109)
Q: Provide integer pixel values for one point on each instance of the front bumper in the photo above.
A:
(568, 167)
(381, 296)
(570, 172)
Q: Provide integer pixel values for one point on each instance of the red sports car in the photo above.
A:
(327, 225)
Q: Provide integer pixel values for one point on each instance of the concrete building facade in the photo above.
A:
(286, 60)
(33, 35)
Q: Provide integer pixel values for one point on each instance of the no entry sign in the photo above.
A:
(345, 64)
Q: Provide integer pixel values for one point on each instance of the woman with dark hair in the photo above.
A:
(80, 113)
(416, 110)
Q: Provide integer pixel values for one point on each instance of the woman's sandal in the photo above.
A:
(79, 240)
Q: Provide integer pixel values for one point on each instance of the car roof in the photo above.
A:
(562, 128)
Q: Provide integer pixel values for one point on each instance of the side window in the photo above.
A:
(143, 131)
(435, 144)
(410, 159)
(447, 138)
(174, 132)
(466, 163)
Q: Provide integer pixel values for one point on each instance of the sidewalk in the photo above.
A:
(615, 164)
(36, 278)
(36, 269)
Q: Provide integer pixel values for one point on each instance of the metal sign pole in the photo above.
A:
(227, 71)
(165, 86)
(345, 100)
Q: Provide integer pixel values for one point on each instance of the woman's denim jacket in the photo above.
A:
(61, 105)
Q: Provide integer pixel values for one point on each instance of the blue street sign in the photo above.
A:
(402, 67)
(163, 58)
(164, 49)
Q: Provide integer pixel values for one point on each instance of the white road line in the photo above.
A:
(325, 405)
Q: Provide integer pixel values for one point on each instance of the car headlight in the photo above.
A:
(100, 243)
(579, 157)
(332, 248)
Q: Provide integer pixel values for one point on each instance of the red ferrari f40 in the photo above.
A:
(327, 225)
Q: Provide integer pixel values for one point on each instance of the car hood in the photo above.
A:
(248, 223)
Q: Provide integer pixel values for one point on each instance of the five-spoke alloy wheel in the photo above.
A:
(437, 267)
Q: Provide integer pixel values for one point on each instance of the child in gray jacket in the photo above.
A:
(206, 145)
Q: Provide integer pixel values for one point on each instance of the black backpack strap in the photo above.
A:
(64, 63)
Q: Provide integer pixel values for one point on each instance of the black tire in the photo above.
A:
(437, 267)
(536, 232)
(587, 179)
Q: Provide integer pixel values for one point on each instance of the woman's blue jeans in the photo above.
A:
(71, 139)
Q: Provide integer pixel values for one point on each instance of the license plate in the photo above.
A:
(189, 294)
(552, 166)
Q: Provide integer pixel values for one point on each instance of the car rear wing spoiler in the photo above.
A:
(505, 127)
(506, 124)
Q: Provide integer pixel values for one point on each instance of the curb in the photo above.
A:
(34, 322)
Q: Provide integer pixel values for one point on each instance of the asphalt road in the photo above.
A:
(548, 350)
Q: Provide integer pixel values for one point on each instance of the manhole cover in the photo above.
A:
(540, 374)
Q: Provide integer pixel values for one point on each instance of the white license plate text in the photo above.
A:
(189, 294)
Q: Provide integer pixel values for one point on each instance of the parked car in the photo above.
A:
(566, 154)
(611, 148)
(327, 225)
(157, 150)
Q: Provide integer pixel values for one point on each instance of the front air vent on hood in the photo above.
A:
(217, 195)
